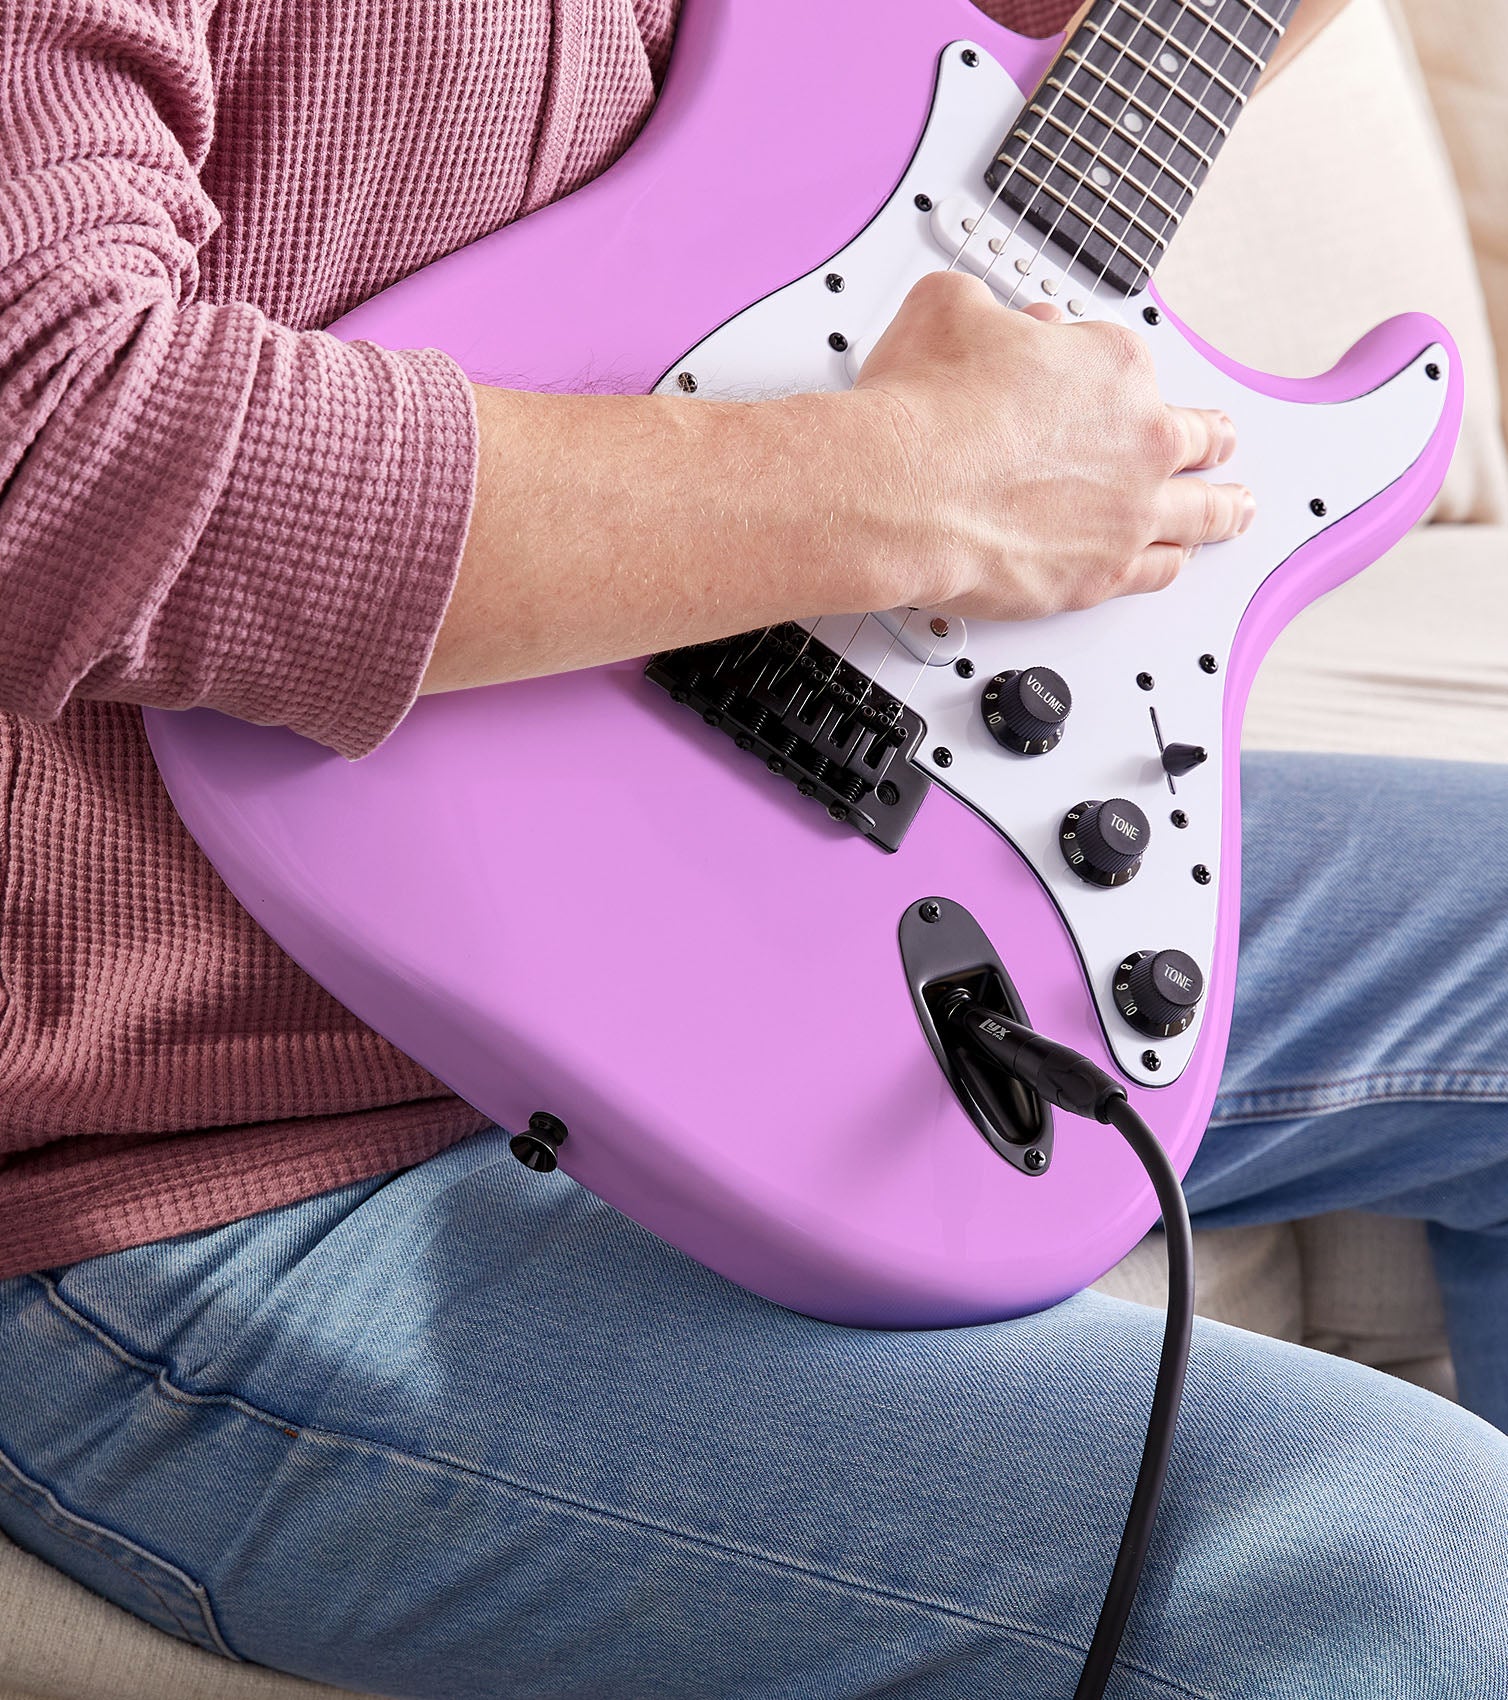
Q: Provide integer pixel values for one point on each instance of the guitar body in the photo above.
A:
(572, 894)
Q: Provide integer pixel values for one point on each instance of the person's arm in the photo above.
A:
(197, 505)
(1030, 473)
(998, 463)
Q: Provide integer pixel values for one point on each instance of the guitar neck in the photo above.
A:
(1109, 153)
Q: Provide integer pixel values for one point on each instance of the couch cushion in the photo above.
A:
(1248, 1277)
(1406, 659)
(1463, 49)
(60, 1642)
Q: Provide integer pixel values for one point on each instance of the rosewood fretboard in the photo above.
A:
(1107, 155)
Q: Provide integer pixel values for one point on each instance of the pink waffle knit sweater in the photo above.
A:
(205, 499)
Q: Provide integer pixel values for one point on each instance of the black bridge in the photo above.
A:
(799, 707)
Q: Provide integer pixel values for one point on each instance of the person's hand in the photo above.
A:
(1027, 465)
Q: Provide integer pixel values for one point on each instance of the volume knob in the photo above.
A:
(1025, 710)
(1104, 842)
(1158, 991)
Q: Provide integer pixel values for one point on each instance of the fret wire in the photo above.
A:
(1058, 92)
(1157, 118)
(1257, 12)
(1110, 83)
(1082, 212)
(1154, 70)
(1192, 57)
(1107, 197)
(1214, 26)
(1099, 188)
(1131, 142)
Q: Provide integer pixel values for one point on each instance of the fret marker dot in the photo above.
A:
(1169, 61)
(1132, 121)
(1100, 175)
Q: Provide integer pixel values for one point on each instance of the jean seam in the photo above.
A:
(1275, 1103)
(98, 1539)
(158, 1375)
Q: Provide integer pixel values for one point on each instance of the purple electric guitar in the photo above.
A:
(700, 915)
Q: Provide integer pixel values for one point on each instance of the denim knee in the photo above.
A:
(1362, 1551)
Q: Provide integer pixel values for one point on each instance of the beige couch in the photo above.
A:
(1334, 206)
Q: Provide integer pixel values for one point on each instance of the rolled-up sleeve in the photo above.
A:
(198, 506)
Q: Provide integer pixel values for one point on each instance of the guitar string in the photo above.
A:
(1052, 103)
(1048, 106)
(1084, 112)
(1212, 72)
(1180, 133)
(1092, 224)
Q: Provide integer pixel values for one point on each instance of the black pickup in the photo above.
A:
(797, 705)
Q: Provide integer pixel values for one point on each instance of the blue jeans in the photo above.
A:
(465, 1431)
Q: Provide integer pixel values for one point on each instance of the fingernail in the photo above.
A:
(1227, 434)
(1248, 511)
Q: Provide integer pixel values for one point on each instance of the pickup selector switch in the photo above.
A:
(1158, 991)
(1179, 759)
(1025, 710)
(1104, 842)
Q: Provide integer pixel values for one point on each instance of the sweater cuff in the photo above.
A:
(319, 583)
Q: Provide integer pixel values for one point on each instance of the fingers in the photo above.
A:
(1155, 568)
(1043, 310)
(1208, 438)
(1192, 511)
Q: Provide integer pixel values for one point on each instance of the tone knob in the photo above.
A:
(1104, 842)
(1158, 991)
(1025, 710)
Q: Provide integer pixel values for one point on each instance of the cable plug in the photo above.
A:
(1054, 1071)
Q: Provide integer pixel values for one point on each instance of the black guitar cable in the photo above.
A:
(1073, 1083)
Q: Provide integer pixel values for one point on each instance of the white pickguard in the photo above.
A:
(1289, 454)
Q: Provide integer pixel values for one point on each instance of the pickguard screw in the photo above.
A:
(923, 203)
(1317, 508)
(687, 381)
(1035, 1159)
(1209, 663)
(1151, 315)
(930, 911)
(1145, 680)
(1202, 875)
(963, 667)
(969, 57)
(838, 341)
(943, 757)
(835, 282)
(938, 626)
(1179, 818)
(1151, 1061)
(1432, 371)
(888, 794)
